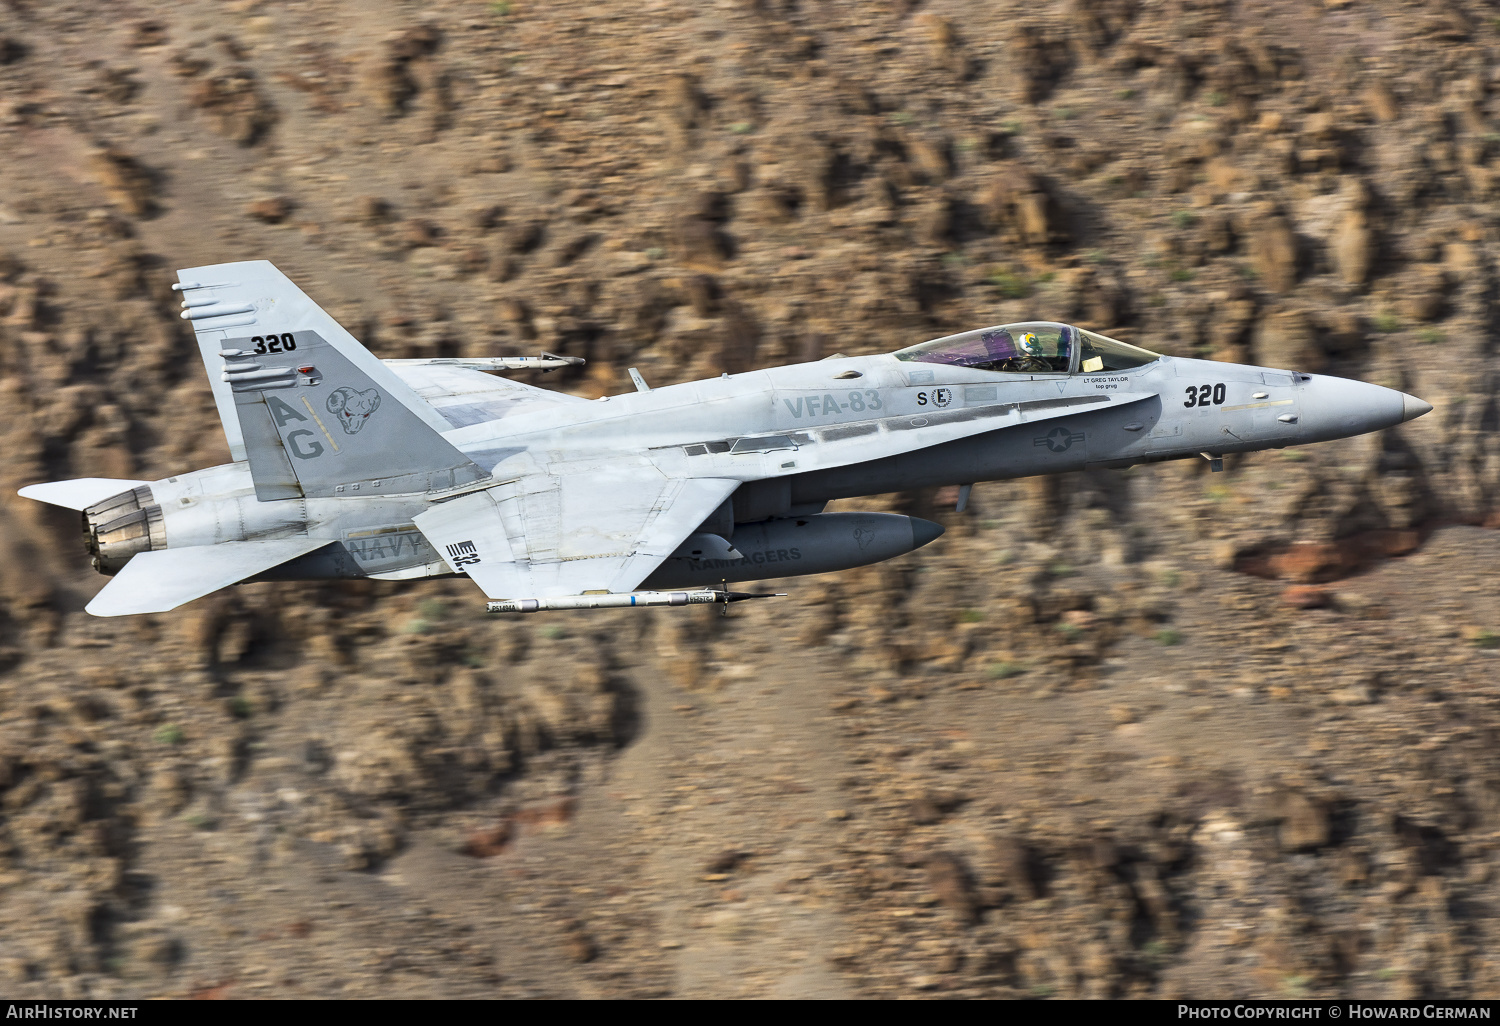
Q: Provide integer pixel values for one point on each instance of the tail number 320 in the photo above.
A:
(1205, 395)
(283, 343)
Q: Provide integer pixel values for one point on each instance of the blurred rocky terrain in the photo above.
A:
(1143, 733)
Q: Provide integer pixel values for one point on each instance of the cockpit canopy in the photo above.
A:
(1031, 347)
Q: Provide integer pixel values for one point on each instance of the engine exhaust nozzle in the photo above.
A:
(120, 526)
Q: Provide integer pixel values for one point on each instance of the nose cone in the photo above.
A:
(923, 531)
(1414, 407)
(1339, 408)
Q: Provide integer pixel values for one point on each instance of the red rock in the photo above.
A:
(1308, 561)
(1394, 543)
(484, 844)
(1306, 596)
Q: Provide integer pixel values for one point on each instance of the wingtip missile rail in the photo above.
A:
(544, 362)
(628, 599)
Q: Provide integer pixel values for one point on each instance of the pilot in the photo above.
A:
(1032, 358)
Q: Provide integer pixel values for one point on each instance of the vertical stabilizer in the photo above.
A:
(312, 410)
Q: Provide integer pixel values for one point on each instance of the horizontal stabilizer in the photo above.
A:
(80, 493)
(156, 581)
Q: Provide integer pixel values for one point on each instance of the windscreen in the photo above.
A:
(1098, 354)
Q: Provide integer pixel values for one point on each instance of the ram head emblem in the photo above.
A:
(353, 407)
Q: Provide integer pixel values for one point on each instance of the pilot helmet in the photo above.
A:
(1030, 344)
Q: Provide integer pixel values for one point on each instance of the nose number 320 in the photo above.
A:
(1204, 395)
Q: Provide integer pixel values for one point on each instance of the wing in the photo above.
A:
(598, 525)
(462, 396)
(154, 582)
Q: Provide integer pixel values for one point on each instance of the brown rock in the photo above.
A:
(1017, 867)
(700, 244)
(952, 884)
(174, 787)
(272, 210)
(188, 64)
(1287, 338)
(1381, 102)
(502, 266)
(1353, 245)
(1216, 231)
(488, 842)
(391, 84)
(1019, 207)
(813, 162)
(935, 222)
(1035, 61)
(149, 33)
(683, 105)
(235, 105)
(371, 210)
(392, 79)
(487, 216)
(128, 183)
(418, 232)
(581, 947)
(119, 85)
(739, 340)
(517, 315)
(1424, 294)
(1304, 822)
(703, 294)
(158, 949)
(773, 203)
(682, 101)
(925, 811)
(523, 237)
(725, 861)
(940, 31)
(931, 157)
(417, 41)
(1273, 249)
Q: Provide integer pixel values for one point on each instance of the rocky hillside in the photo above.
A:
(1146, 733)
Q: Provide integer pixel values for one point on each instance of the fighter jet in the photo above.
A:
(347, 466)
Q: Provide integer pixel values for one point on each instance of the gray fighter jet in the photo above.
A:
(348, 466)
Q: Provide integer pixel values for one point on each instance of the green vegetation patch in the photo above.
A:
(1009, 284)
